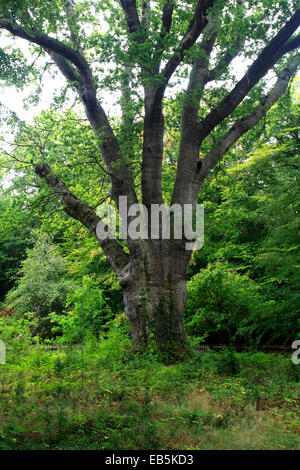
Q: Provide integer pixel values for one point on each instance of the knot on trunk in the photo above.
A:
(42, 169)
(127, 275)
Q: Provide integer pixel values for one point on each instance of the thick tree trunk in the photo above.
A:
(153, 274)
(155, 298)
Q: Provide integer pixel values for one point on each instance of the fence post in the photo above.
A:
(2, 352)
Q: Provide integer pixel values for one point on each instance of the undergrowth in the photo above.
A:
(110, 398)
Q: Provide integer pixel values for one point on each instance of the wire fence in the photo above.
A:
(205, 347)
(274, 348)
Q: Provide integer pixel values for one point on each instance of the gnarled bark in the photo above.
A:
(155, 297)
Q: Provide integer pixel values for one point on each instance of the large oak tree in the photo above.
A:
(146, 50)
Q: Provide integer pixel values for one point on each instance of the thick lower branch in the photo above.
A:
(80, 211)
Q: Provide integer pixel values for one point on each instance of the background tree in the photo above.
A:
(43, 287)
(150, 45)
(244, 283)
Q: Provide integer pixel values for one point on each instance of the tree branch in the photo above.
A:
(122, 180)
(69, 6)
(80, 211)
(195, 29)
(166, 26)
(49, 43)
(200, 74)
(131, 15)
(167, 18)
(65, 68)
(226, 60)
(193, 135)
(154, 119)
(230, 54)
(145, 9)
(245, 124)
(292, 45)
(268, 57)
(199, 77)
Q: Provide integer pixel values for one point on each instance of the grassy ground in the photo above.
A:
(122, 401)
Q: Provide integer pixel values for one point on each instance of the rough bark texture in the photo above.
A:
(155, 296)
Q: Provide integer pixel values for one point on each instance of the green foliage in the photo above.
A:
(87, 259)
(97, 393)
(11, 252)
(17, 331)
(115, 345)
(87, 311)
(244, 284)
(220, 302)
(13, 70)
(43, 287)
(249, 265)
(115, 399)
(14, 239)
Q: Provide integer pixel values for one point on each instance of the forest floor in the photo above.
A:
(113, 400)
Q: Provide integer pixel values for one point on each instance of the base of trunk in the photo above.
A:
(155, 313)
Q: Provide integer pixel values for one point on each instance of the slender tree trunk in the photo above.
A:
(155, 296)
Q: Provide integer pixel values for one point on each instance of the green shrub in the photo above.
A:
(223, 306)
(14, 330)
(87, 312)
(43, 286)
